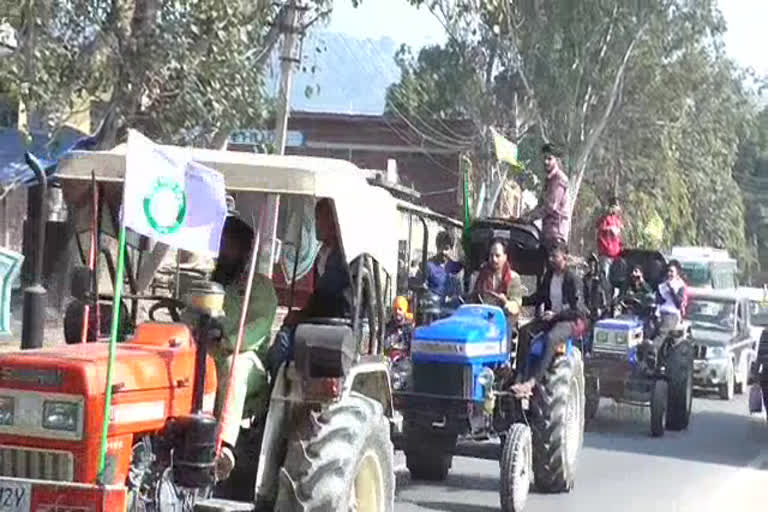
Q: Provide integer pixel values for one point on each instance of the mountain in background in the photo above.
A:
(341, 74)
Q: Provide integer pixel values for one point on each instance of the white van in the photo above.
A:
(706, 267)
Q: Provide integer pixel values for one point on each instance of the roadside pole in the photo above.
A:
(291, 30)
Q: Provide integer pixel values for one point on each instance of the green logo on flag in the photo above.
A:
(165, 206)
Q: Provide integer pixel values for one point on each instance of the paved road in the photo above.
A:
(719, 464)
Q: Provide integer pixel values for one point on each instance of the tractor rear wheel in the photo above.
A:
(557, 421)
(339, 459)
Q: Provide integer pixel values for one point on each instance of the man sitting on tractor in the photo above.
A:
(559, 295)
(637, 287)
(399, 329)
(332, 296)
(250, 379)
(498, 284)
(671, 299)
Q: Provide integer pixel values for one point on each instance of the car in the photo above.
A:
(723, 345)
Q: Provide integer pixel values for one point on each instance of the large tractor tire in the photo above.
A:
(340, 459)
(516, 467)
(680, 387)
(557, 421)
(428, 453)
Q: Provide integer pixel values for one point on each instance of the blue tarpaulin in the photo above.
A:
(15, 172)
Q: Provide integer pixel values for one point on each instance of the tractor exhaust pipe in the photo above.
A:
(35, 294)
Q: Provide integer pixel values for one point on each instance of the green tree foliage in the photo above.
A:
(182, 71)
(640, 95)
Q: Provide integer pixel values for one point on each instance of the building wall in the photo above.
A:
(369, 141)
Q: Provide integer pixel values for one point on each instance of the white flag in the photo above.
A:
(172, 199)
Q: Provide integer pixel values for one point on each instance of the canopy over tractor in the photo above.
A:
(347, 389)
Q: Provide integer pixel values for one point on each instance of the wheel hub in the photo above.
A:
(368, 488)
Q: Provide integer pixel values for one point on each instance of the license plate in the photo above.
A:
(15, 497)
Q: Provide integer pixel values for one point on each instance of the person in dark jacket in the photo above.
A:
(559, 300)
(332, 295)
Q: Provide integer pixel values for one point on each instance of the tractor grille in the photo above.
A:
(453, 380)
(762, 347)
(21, 462)
(699, 351)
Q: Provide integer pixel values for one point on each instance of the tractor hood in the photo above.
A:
(653, 264)
(469, 324)
(82, 368)
(525, 252)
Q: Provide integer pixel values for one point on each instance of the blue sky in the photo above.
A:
(417, 27)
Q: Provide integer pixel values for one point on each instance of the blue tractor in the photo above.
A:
(454, 392)
(625, 359)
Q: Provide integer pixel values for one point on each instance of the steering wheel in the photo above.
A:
(172, 305)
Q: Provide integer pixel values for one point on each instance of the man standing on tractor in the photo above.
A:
(498, 284)
(671, 299)
(553, 204)
(609, 229)
(250, 379)
(332, 295)
(559, 295)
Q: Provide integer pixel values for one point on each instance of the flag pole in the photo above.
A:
(92, 252)
(240, 331)
(119, 273)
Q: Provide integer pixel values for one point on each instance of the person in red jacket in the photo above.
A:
(609, 229)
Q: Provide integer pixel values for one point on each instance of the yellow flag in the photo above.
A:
(506, 150)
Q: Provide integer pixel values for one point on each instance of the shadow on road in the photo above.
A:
(715, 437)
(454, 507)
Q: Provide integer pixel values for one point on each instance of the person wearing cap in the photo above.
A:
(398, 331)
(553, 204)
(250, 388)
(609, 244)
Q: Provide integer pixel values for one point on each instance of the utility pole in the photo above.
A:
(291, 30)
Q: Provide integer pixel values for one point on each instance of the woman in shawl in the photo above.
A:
(498, 284)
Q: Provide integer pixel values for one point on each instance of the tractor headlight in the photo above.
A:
(7, 406)
(621, 338)
(486, 378)
(60, 415)
(716, 353)
(601, 337)
(401, 372)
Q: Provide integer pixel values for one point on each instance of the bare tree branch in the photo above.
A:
(597, 130)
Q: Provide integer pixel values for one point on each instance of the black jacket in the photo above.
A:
(332, 297)
(572, 297)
